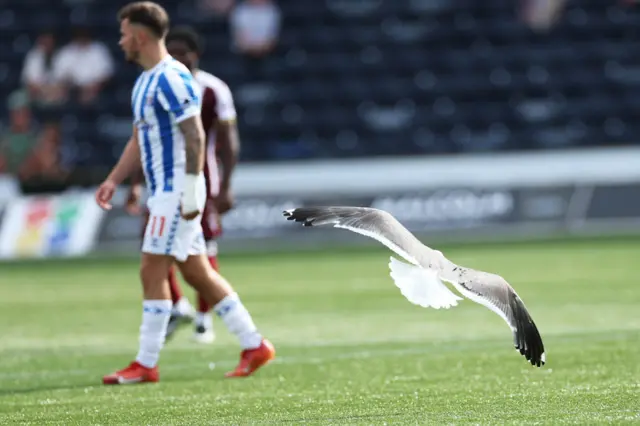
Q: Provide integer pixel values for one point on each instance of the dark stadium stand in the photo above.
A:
(382, 77)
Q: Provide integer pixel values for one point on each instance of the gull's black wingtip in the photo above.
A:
(299, 215)
(527, 337)
(536, 361)
(290, 214)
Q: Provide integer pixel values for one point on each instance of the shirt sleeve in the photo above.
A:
(177, 93)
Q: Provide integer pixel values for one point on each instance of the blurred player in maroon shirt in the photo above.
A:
(219, 121)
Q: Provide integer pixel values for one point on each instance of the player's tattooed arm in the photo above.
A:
(194, 144)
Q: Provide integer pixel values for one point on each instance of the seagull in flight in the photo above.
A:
(421, 280)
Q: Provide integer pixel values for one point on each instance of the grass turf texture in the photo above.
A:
(351, 349)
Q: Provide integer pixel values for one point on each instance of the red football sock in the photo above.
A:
(203, 306)
(174, 287)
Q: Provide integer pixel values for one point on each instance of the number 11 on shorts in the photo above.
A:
(157, 223)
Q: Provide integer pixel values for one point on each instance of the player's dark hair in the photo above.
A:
(187, 35)
(148, 14)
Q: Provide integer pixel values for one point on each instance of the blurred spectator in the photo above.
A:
(255, 25)
(24, 151)
(40, 73)
(43, 163)
(20, 138)
(86, 65)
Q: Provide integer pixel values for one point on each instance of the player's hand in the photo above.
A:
(132, 205)
(104, 194)
(223, 202)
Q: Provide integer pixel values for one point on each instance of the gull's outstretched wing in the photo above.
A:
(486, 289)
(373, 223)
(493, 292)
(419, 282)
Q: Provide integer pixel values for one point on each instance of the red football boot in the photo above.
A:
(134, 373)
(252, 359)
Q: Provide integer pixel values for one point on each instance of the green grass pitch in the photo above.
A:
(351, 349)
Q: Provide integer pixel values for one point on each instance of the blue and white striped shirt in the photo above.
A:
(163, 97)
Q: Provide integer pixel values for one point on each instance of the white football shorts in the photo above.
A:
(167, 233)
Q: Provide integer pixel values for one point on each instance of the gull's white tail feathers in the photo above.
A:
(421, 286)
